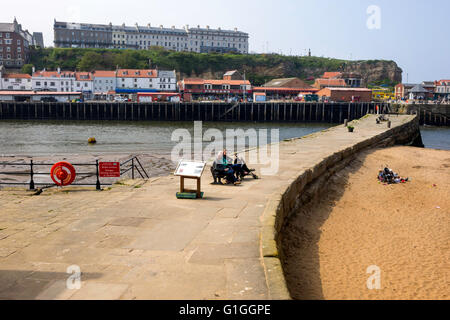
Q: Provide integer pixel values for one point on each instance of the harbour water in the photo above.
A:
(34, 138)
(436, 137)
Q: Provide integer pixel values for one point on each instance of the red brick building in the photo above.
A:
(231, 84)
(286, 88)
(346, 94)
(14, 45)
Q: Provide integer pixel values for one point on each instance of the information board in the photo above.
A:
(109, 169)
(190, 169)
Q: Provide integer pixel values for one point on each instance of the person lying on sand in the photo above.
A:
(390, 177)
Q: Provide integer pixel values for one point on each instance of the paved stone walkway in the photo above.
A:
(142, 243)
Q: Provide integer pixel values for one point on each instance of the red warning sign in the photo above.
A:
(109, 169)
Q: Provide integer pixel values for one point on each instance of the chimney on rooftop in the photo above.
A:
(59, 70)
(33, 69)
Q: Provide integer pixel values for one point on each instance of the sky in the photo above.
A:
(410, 32)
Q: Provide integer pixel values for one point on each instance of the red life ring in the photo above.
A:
(63, 173)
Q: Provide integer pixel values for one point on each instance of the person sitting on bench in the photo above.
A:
(240, 167)
(226, 163)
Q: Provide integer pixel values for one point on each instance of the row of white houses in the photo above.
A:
(90, 83)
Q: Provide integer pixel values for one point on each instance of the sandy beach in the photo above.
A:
(403, 229)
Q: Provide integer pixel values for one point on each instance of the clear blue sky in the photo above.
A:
(412, 33)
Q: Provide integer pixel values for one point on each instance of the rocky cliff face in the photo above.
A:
(373, 72)
(376, 71)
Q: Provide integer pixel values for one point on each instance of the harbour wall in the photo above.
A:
(246, 112)
(429, 114)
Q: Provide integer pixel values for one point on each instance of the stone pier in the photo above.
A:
(138, 241)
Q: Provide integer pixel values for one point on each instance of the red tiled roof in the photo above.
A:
(53, 74)
(46, 74)
(331, 82)
(193, 81)
(443, 82)
(285, 89)
(17, 76)
(348, 89)
(104, 74)
(136, 73)
(331, 75)
(83, 76)
(229, 82)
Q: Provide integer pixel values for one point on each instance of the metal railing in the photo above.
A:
(133, 164)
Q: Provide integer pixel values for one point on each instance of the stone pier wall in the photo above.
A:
(429, 114)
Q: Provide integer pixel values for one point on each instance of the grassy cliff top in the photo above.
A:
(259, 67)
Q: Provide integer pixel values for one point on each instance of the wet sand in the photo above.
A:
(403, 229)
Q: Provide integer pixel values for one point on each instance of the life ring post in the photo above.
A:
(97, 186)
(31, 176)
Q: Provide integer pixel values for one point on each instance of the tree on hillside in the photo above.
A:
(126, 60)
(28, 69)
(91, 61)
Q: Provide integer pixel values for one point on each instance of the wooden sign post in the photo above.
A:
(190, 170)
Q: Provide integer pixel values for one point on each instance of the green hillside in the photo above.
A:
(259, 67)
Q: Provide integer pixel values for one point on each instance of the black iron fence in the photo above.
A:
(132, 165)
